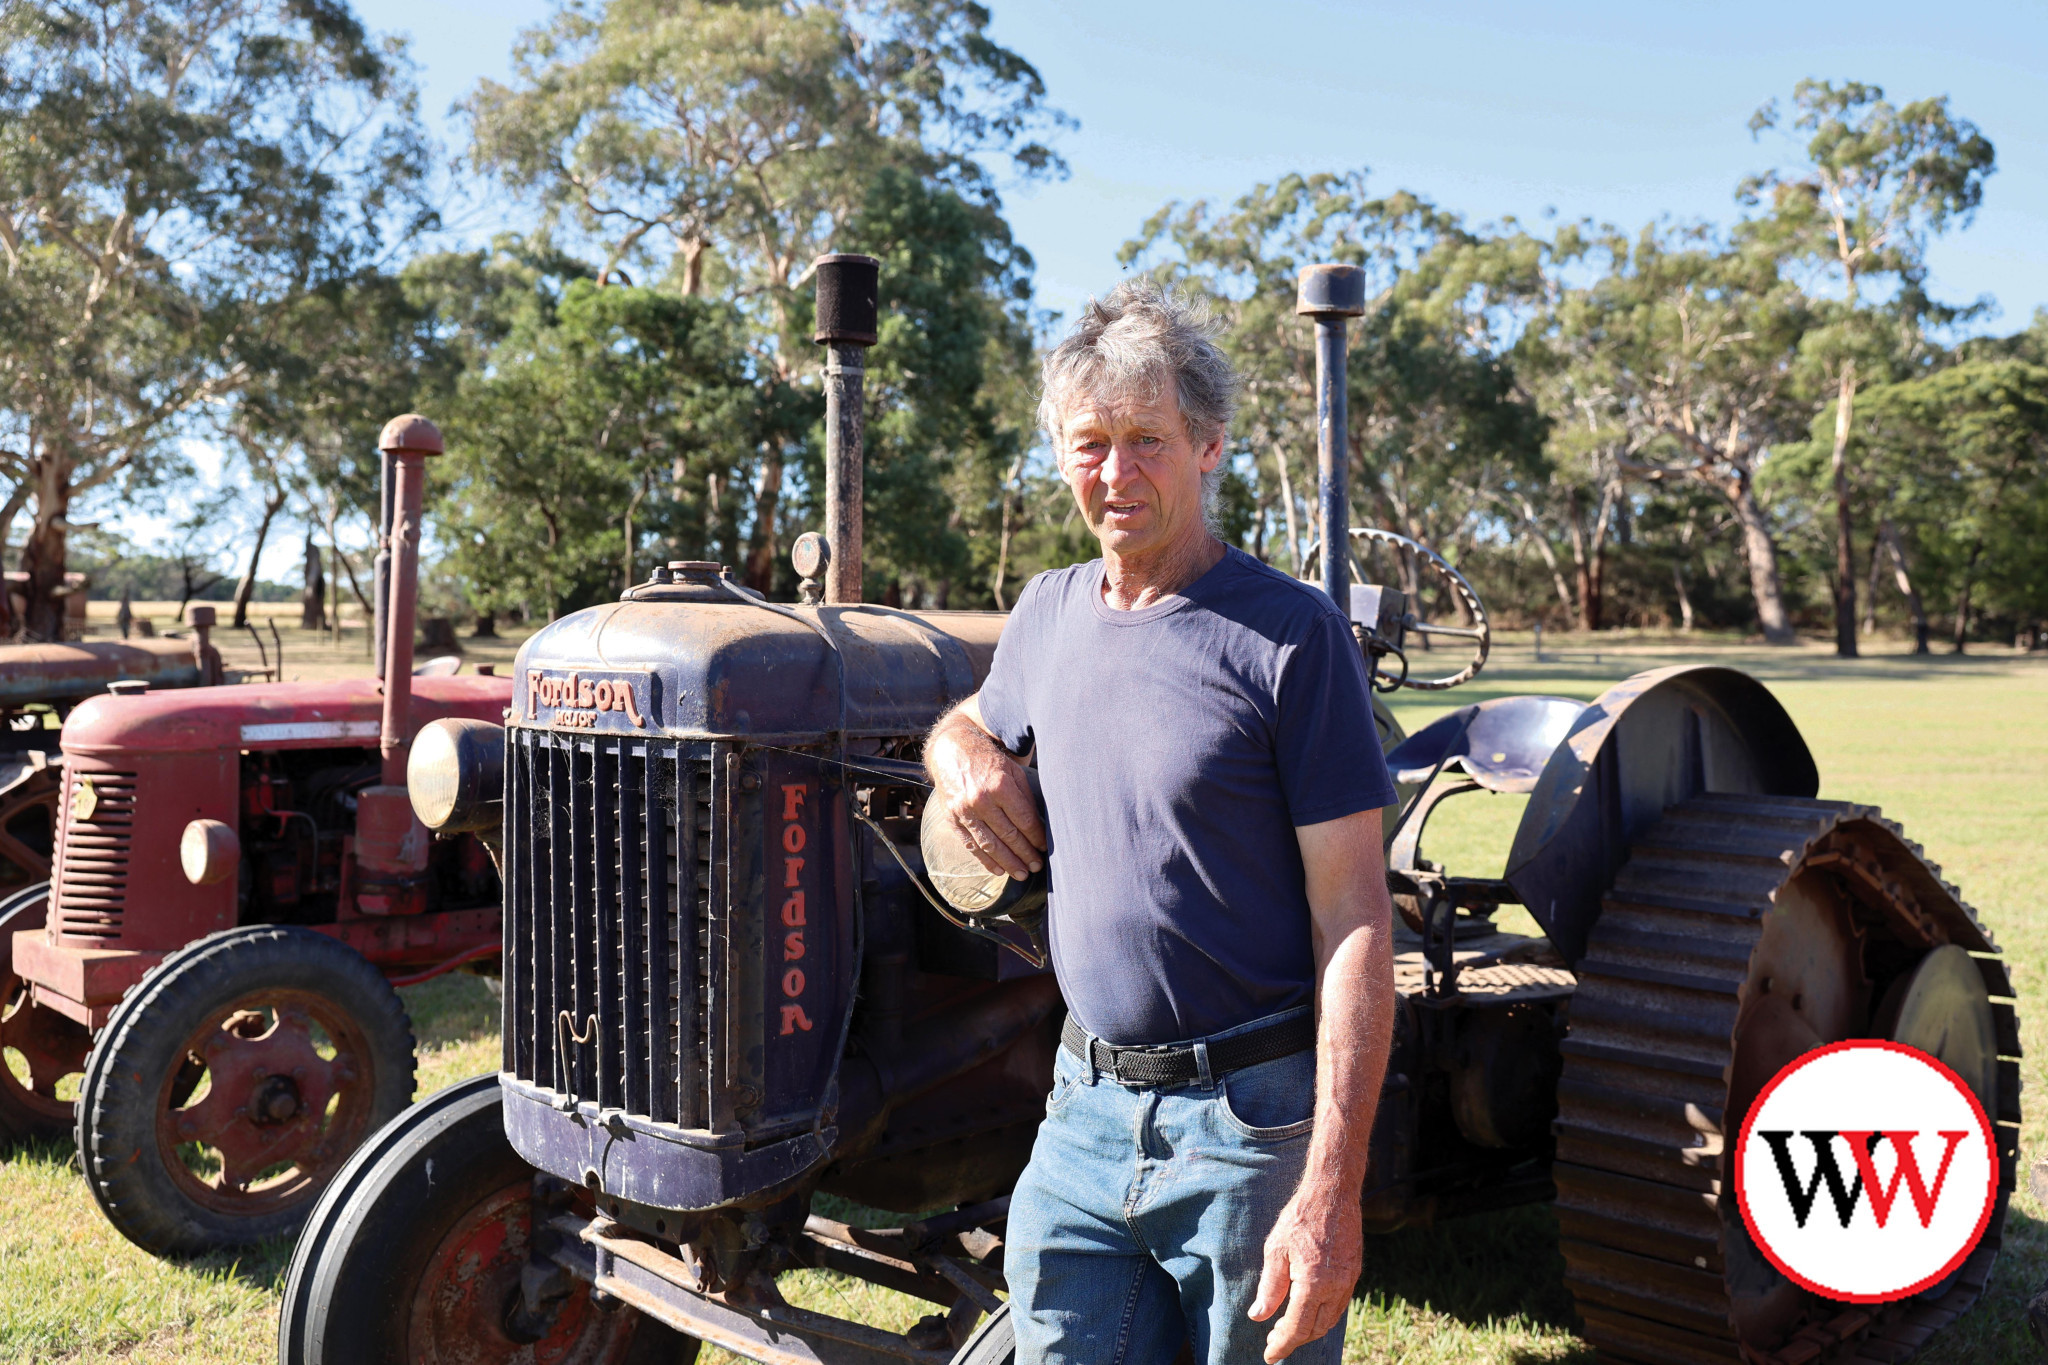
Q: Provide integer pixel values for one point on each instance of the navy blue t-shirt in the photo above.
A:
(1179, 745)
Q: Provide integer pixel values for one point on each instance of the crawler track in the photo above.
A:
(1668, 1031)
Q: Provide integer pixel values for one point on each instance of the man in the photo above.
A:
(1220, 926)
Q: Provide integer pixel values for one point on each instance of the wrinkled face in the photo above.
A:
(1136, 475)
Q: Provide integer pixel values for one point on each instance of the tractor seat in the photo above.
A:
(1501, 744)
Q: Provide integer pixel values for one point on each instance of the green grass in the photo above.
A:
(1955, 749)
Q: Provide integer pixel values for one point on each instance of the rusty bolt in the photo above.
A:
(410, 434)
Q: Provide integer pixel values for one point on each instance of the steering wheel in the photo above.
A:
(1480, 632)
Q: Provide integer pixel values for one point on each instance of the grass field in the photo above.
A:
(1954, 748)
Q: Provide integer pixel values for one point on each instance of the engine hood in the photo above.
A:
(727, 668)
(306, 715)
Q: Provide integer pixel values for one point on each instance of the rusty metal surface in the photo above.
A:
(1674, 1028)
(410, 432)
(1335, 291)
(1644, 745)
(398, 721)
(662, 1285)
(845, 377)
(73, 672)
(724, 669)
(1331, 294)
(344, 713)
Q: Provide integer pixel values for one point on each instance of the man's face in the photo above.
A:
(1136, 475)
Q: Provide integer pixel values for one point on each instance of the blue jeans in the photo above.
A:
(1141, 1221)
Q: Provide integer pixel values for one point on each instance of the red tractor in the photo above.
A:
(238, 884)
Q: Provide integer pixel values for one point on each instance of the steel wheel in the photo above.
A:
(1742, 933)
(417, 1253)
(234, 1083)
(28, 830)
(39, 1047)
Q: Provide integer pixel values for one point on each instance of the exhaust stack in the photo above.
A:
(406, 443)
(848, 315)
(1332, 294)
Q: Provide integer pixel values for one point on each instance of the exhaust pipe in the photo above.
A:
(1332, 294)
(848, 315)
(406, 443)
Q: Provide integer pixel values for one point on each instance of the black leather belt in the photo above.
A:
(1174, 1063)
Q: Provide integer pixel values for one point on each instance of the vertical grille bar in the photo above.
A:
(702, 1044)
(631, 826)
(560, 906)
(515, 1040)
(662, 1005)
(606, 986)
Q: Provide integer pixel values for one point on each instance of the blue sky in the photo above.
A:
(1619, 113)
(1615, 112)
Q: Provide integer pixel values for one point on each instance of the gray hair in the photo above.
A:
(1134, 342)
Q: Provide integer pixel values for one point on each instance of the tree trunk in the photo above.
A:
(486, 626)
(313, 597)
(1542, 543)
(1765, 585)
(1888, 535)
(1287, 504)
(43, 553)
(1845, 548)
(246, 589)
(1582, 573)
(761, 559)
(1003, 546)
(1684, 598)
(1610, 500)
(1963, 597)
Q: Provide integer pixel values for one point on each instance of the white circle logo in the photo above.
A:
(1866, 1171)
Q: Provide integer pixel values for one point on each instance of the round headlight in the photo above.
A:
(456, 775)
(958, 875)
(208, 852)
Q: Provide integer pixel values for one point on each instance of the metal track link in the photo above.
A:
(1648, 1063)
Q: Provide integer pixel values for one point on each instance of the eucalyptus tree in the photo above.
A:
(719, 145)
(1875, 183)
(1678, 363)
(1966, 448)
(172, 174)
(1440, 427)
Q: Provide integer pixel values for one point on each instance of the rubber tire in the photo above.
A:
(354, 1276)
(27, 908)
(142, 1042)
(993, 1343)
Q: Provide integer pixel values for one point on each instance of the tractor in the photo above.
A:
(40, 685)
(740, 976)
(238, 884)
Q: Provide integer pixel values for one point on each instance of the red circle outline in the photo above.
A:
(1742, 1145)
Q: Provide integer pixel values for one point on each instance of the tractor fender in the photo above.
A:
(1646, 744)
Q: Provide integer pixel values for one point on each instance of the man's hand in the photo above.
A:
(1313, 1257)
(983, 790)
(1313, 1254)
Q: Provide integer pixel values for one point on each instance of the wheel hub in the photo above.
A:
(470, 1309)
(50, 1046)
(265, 1100)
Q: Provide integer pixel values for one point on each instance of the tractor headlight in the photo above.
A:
(456, 775)
(209, 851)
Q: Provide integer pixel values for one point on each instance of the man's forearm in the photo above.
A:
(1355, 1032)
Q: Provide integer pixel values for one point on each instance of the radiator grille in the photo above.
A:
(606, 920)
(93, 852)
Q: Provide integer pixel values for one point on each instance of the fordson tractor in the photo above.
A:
(730, 987)
(238, 883)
